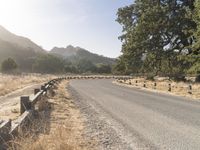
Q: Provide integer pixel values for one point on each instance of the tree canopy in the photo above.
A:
(48, 64)
(158, 36)
(8, 66)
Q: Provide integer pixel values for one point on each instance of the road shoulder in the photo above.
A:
(110, 133)
(185, 97)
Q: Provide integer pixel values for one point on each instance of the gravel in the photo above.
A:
(105, 130)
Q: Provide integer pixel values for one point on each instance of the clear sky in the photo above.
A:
(86, 23)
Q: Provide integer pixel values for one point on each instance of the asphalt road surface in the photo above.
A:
(161, 120)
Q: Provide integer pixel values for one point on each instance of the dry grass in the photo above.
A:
(177, 88)
(64, 130)
(9, 83)
(12, 87)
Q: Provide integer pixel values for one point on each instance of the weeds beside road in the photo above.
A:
(162, 85)
(10, 83)
(63, 129)
(14, 86)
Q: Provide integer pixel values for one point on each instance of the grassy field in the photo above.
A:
(162, 85)
(12, 87)
(10, 83)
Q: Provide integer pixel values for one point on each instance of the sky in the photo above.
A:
(89, 24)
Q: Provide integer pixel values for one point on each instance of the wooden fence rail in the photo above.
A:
(10, 129)
(169, 87)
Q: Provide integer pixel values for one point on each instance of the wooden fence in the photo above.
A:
(10, 129)
(188, 88)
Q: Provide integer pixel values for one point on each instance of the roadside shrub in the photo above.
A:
(179, 78)
(150, 77)
(8, 66)
(197, 79)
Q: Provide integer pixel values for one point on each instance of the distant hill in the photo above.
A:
(76, 53)
(24, 57)
(21, 49)
(65, 52)
(31, 57)
(23, 42)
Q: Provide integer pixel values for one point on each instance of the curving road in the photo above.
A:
(161, 121)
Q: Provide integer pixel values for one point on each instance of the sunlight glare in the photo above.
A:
(14, 13)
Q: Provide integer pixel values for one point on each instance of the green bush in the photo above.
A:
(8, 66)
(197, 79)
(179, 78)
(150, 77)
(48, 64)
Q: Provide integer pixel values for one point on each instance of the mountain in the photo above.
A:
(21, 49)
(75, 54)
(23, 42)
(65, 52)
(24, 57)
(32, 58)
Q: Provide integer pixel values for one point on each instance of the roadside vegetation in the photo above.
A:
(162, 84)
(160, 38)
(51, 64)
(59, 128)
(10, 83)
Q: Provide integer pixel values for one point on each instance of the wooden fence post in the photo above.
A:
(155, 84)
(25, 104)
(144, 84)
(51, 92)
(169, 87)
(190, 89)
(5, 128)
(36, 91)
(43, 87)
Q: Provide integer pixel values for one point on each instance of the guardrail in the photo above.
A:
(10, 129)
(99, 77)
(188, 87)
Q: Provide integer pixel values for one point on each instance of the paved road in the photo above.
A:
(164, 121)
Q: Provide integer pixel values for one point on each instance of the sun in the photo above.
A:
(9, 11)
(14, 12)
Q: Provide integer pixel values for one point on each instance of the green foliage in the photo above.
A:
(197, 32)
(157, 35)
(31, 60)
(197, 79)
(119, 67)
(23, 57)
(94, 58)
(8, 66)
(194, 57)
(150, 77)
(76, 54)
(71, 69)
(48, 64)
(103, 68)
(179, 78)
(85, 65)
(195, 68)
